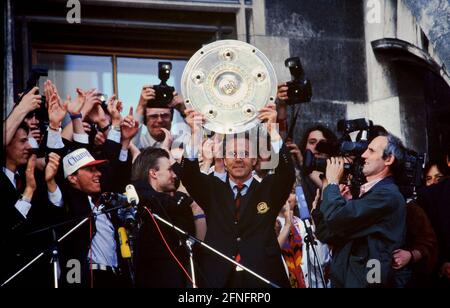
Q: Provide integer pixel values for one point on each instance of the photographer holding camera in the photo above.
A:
(365, 231)
(155, 110)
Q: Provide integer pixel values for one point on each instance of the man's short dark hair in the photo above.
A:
(147, 160)
(23, 126)
(395, 148)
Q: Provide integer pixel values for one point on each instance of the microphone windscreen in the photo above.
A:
(132, 195)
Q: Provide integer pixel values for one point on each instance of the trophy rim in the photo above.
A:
(233, 127)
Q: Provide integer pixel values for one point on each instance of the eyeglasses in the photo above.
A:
(163, 116)
(240, 154)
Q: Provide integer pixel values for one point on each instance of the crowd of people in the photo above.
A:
(62, 180)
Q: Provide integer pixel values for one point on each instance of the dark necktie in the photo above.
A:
(237, 200)
(237, 204)
(19, 182)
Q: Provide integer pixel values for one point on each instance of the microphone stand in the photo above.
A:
(189, 245)
(54, 249)
(310, 242)
(195, 240)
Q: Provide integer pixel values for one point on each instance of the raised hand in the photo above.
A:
(99, 139)
(147, 94)
(30, 179)
(295, 152)
(52, 166)
(129, 127)
(87, 127)
(208, 150)
(335, 169)
(195, 120)
(56, 110)
(76, 106)
(168, 140)
(268, 114)
(91, 101)
(31, 101)
(114, 109)
(97, 115)
(282, 92)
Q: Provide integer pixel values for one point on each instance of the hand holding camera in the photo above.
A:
(147, 94)
(335, 169)
(31, 101)
(299, 89)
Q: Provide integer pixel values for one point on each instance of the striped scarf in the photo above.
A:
(292, 254)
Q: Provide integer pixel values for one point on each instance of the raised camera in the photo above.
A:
(299, 88)
(163, 92)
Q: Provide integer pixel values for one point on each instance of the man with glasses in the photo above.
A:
(240, 212)
(154, 116)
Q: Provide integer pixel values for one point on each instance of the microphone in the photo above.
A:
(132, 195)
(304, 211)
(124, 245)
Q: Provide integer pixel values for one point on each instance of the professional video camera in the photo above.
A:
(410, 173)
(344, 147)
(163, 92)
(299, 88)
(33, 80)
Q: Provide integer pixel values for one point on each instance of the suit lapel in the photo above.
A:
(10, 189)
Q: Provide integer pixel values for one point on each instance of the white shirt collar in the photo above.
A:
(10, 175)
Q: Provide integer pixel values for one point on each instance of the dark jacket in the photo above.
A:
(155, 267)
(363, 231)
(435, 200)
(254, 235)
(18, 246)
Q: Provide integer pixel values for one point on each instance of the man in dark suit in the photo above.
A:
(29, 202)
(366, 231)
(156, 183)
(240, 212)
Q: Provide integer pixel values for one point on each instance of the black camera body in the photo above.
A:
(344, 147)
(33, 80)
(163, 92)
(299, 88)
(410, 176)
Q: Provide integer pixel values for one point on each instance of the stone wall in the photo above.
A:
(328, 36)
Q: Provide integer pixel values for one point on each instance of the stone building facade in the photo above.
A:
(386, 60)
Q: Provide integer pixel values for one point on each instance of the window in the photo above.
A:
(133, 73)
(69, 71)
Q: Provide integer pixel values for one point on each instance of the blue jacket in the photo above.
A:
(363, 232)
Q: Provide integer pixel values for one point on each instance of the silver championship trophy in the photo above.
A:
(228, 81)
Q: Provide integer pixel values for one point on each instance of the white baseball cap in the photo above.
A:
(79, 159)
